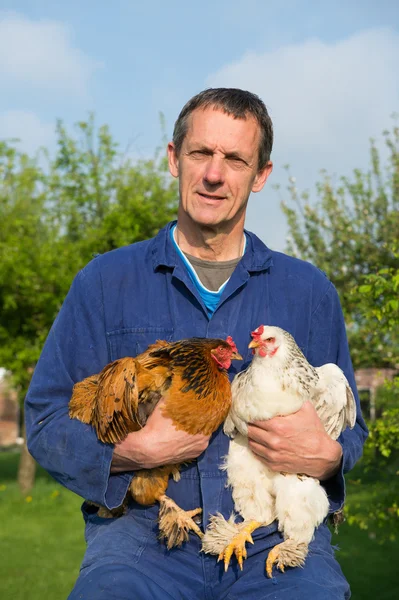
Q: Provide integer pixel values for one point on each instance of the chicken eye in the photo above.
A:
(270, 339)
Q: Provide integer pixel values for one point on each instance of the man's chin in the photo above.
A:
(211, 224)
(209, 218)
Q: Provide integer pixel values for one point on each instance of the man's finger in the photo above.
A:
(265, 425)
(262, 437)
(269, 457)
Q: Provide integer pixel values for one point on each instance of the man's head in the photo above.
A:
(239, 104)
(221, 152)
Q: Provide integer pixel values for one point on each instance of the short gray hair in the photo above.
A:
(235, 102)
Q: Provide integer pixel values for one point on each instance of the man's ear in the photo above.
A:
(261, 177)
(173, 160)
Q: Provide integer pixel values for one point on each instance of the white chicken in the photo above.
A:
(277, 382)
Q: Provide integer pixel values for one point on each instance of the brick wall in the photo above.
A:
(9, 415)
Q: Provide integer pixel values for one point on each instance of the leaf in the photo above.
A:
(365, 289)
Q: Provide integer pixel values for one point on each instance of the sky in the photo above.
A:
(328, 73)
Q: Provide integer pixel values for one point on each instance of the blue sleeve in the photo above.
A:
(76, 347)
(328, 344)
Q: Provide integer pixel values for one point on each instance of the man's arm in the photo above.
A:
(298, 443)
(76, 347)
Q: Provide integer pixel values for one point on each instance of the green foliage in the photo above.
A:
(87, 199)
(350, 232)
(384, 433)
(377, 300)
(379, 479)
(387, 397)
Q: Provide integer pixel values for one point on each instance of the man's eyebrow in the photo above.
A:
(200, 148)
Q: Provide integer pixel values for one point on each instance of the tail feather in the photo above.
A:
(83, 401)
(118, 400)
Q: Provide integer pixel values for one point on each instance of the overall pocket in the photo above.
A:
(108, 539)
(132, 341)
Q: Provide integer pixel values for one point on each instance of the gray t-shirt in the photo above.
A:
(212, 274)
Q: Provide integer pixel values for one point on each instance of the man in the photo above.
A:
(203, 276)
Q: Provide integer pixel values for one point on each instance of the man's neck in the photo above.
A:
(207, 244)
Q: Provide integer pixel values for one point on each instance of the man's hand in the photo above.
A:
(158, 443)
(296, 443)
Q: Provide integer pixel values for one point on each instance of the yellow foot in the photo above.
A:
(274, 558)
(237, 545)
(175, 523)
(287, 554)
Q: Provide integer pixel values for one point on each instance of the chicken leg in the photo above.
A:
(226, 538)
(175, 523)
(148, 486)
(301, 504)
(287, 554)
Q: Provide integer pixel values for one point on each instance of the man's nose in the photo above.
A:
(214, 172)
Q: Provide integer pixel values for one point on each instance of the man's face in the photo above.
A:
(217, 168)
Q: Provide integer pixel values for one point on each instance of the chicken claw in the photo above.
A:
(274, 557)
(175, 523)
(287, 554)
(237, 545)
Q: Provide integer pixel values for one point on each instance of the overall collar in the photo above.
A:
(257, 257)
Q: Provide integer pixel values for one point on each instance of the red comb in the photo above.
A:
(230, 341)
(258, 332)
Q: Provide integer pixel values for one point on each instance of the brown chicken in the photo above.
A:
(191, 376)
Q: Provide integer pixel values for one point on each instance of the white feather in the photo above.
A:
(251, 482)
(334, 400)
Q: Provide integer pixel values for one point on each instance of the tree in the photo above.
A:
(351, 232)
(88, 199)
(378, 301)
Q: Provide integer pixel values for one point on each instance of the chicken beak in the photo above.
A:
(236, 356)
(254, 344)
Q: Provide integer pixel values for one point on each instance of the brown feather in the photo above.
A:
(199, 397)
(148, 485)
(111, 400)
(198, 415)
(82, 403)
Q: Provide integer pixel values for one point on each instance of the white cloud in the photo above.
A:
(42, 54)
(28, 128)
(326, 100)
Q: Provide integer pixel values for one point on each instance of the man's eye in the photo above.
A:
(199, 153)
(236, 160)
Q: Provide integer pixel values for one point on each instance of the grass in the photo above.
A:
(41, 542)
(370, 568)
(368, 557)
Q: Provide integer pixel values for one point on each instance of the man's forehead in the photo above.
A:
(210, 124)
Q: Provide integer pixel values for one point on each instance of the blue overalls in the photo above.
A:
(117, 305)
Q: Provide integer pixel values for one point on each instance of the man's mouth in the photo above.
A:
(211, 196)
